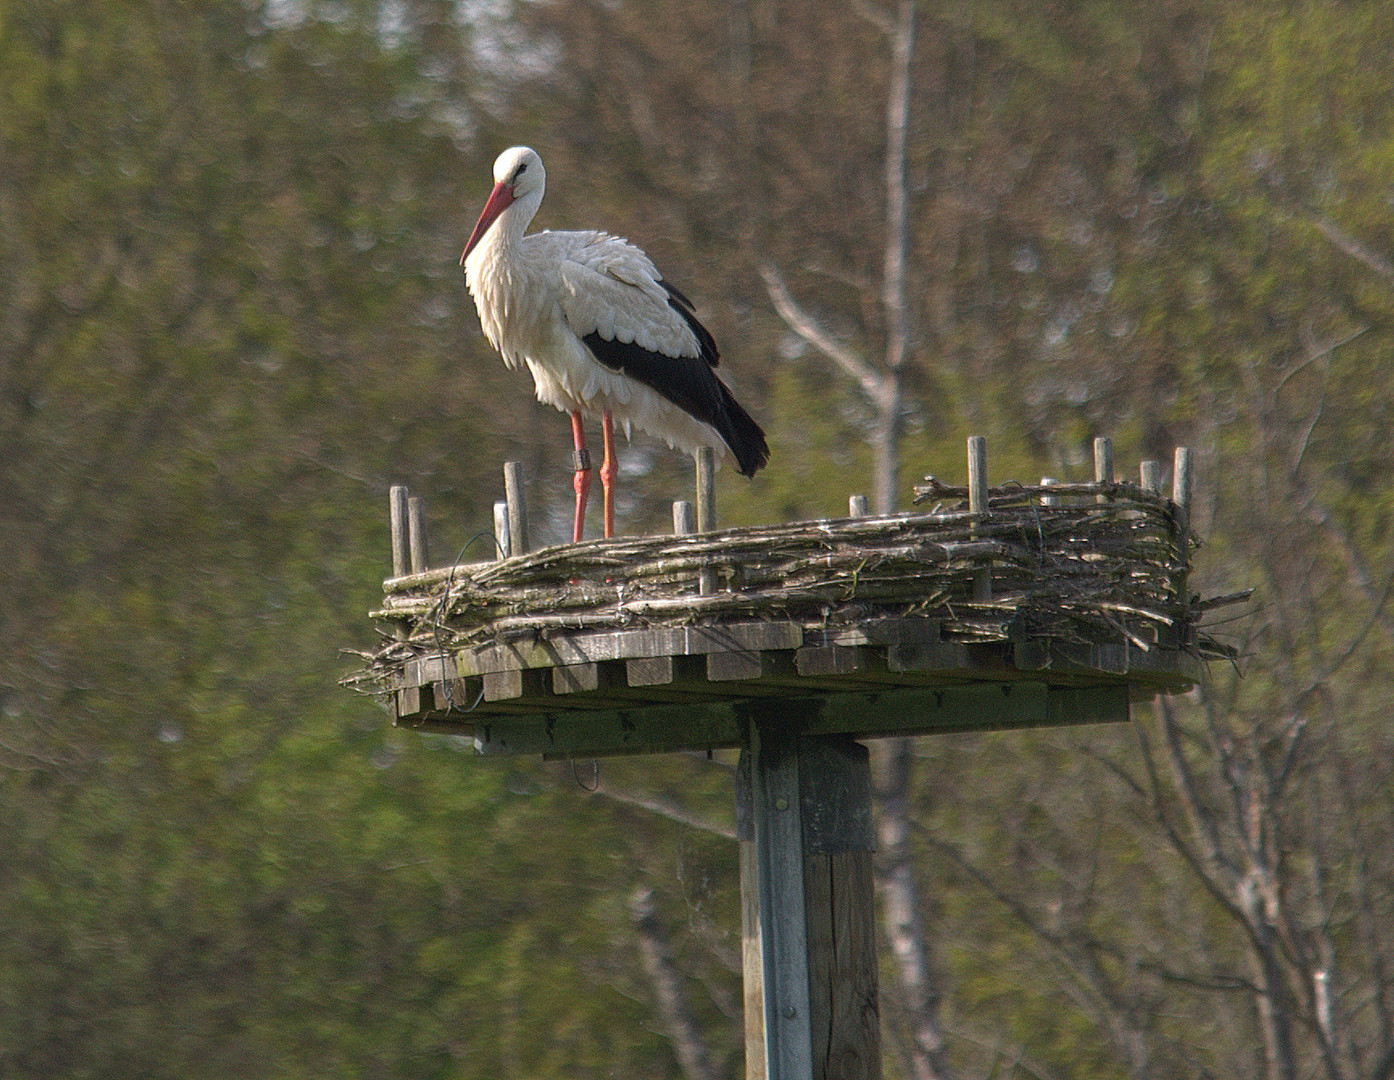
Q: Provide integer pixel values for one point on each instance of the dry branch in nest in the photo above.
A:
(1078, 563)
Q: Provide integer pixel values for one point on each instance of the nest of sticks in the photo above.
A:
(1081, 563)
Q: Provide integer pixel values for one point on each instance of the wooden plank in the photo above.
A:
(665, 670)
(408, 701)
(581, 678)
(533, 683)
(813, 660)
(664, 728)
(883, 631)
(839, 901)
(593, 646)
(752, 977)
(810, 801)
(654, 729)
(776, 807)
(928, 656)
(749, 665)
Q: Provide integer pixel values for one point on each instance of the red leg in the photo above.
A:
(582, 480)
(609, 469)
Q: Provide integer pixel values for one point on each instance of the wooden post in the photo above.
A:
(501, 547)
(1103, 463)
(1150, 476)
(706, 511)
(706, 489)
(1049, 500)
(517, 507)
(401, 545)
(1181, 477)
(977, 504)
(857, 506)
(754, 987)
(810, 801)
(416, 534)
(684, 521)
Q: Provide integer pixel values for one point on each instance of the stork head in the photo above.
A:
(518, 177)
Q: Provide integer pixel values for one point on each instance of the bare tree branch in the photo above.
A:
(688, 1045)
(1345, 243)
(809, 329)
(663, 805)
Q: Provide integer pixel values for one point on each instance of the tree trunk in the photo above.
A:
(688, 1044)
(900, 908)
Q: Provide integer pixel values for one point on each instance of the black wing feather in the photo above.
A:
(689, 383)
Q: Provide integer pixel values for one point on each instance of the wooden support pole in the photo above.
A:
(401, 545)
(779, 856)
(1103, 463)
(501, 546)
(754, 986)
(857, 506)
(1150, 476)
(706, 489)
(977, 504)
(517, 507)
(706, 509)
(684, 520)
(416, 534)
(808, 805)
(1049, 500)
(1181, 479)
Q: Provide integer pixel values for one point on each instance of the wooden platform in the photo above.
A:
(1002, 607)
(999, 607)
(695, 687)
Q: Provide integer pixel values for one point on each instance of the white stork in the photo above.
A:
(601, 331)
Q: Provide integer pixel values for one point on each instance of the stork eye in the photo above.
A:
(519, 171)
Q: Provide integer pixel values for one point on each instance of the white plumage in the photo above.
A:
(600, 330)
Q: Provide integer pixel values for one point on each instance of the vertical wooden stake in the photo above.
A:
(706, 489)
(1049, 500)
(706, 510)
(416, 534)
(783, 917)
(401, 545)
(1103, 463)
(752, 958)
(857, 506)
(401, 548)
(501, 548)
(754, 985)
(977, 504)
(684, 521)
(1150, 475)
(517, 507)
(1181, 478)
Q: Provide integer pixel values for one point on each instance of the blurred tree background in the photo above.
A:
(231, 316)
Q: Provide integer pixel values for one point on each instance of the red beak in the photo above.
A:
(499, 200)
